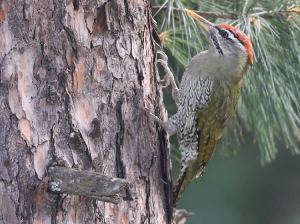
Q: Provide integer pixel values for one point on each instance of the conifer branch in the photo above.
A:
(267, 15)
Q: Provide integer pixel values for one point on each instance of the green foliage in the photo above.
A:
(269, 105)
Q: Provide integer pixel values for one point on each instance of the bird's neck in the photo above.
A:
(229, 69)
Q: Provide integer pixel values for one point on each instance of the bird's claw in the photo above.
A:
(164, 63)
(151, 117)
(163, 54)
(167, 80)
(147, 110)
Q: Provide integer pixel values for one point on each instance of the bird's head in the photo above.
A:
(225, 40)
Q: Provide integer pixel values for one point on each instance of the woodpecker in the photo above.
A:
(207, 97)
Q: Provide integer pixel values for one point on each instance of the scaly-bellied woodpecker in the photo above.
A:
(207, 97)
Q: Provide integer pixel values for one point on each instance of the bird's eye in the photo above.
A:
(224, 34)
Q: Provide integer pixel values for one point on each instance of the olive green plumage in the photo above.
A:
(210, 123)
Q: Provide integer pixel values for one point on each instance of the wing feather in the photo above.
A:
(212, 119)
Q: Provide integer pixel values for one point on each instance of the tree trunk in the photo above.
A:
(73, 79)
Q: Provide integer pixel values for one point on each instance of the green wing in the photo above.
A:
(212, 119)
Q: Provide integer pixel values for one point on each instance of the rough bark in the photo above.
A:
(73, 78)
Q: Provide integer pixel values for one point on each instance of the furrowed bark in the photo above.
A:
(73, 79)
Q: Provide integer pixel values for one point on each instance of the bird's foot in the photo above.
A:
(168, 78)
(152, 116)
(182, 216)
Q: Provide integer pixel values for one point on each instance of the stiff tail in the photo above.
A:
(178, 191)
(181, 184)
(179, 188)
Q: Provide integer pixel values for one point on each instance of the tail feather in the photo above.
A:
(179, 188)
(182, 182)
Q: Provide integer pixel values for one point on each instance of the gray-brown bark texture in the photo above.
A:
(74, 76)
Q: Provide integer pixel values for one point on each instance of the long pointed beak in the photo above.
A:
(205, 24)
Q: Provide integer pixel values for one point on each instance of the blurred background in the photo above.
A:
(236, 190)
(254, 175)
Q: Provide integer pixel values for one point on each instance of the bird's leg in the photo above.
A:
(168, 78)
(170, 126)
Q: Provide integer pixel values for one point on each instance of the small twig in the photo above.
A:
(269, 15)
(201, 13)
(86, 183)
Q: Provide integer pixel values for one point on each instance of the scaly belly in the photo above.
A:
(202, 116)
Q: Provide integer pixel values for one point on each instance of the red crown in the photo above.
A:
(243, 38)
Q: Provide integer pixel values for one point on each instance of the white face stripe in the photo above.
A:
(231, 35)
(242, 39)
(225, 45)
